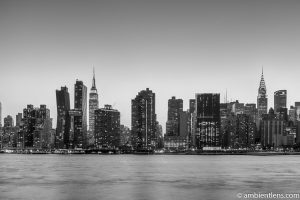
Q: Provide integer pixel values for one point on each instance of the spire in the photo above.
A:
(94, 80)
(262, 85)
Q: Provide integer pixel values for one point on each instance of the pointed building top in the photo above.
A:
(94, 80)
(262, 85)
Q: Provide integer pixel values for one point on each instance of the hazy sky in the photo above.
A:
(176, 48)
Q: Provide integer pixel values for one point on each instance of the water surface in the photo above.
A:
(145, 177)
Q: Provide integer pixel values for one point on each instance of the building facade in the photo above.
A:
(80, 104)
(8, 121)
(262, 100)
(93, 105)
(207, 121)
(63, 120)
(107, 128)
(35, 128)
(143, 120)
(18, 119)
(272, 130)
(280, 97)
(75, 137)
(175, 106)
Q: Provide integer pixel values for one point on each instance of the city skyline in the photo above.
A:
(173, 48)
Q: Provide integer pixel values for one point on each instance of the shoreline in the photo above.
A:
(270, 153)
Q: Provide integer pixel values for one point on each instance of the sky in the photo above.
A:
(174, 47)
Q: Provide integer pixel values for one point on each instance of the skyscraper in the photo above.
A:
(63, 121)
(175, 106)
(36, 124)
(272, 130)
(18, 119)
(297, 111)
(75, 137)
(93, 104)
(80, 104)
(262, 100)
(8, 121)
(107, 127)
(143, 120)
(279, 100)
(207, 120)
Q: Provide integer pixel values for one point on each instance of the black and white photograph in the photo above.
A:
(149, 99)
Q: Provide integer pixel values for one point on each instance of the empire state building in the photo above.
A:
(93, 104)
(262, 100)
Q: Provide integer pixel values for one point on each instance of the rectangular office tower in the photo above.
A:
(207, 133)
(34, 132)
(107, 128)
(80, 105)
(279, 100)
(175, 107)
(143, 120)
(63, 120)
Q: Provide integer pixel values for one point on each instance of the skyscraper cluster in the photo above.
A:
(72, 132)
(207, 124)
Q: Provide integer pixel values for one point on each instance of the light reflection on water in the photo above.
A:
(144, 177)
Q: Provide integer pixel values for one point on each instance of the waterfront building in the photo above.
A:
(245, 132)
(262, 100)
(8, 135)
(175, 106)
(80, 104)
(107, 128)
(63, 121)
(159, 136)
(75, 137)
(125, 135)
(272, 130)
(176, 143)
(207, 133)
(36, 124)
(191, 122)
(228, 130)
(93, 105)
(143, 120)
(280, 97)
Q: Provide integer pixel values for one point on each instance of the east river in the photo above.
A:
(145, 177)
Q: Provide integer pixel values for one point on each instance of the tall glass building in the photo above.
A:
(207, 133)
(80, 104)
(63, 124)
(279, 100)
